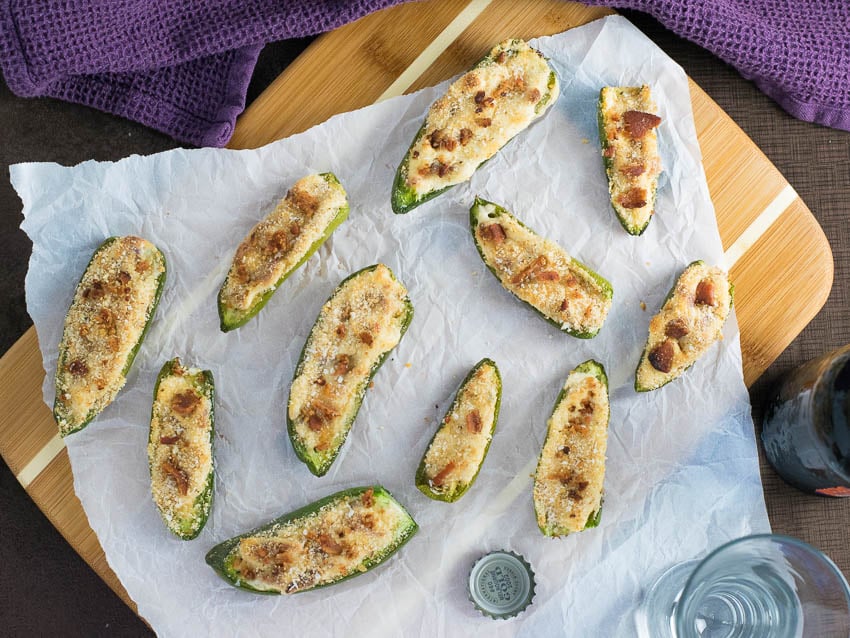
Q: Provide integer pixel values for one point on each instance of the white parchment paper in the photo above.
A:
(682, 473)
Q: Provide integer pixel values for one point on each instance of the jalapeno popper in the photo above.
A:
(480, 112)
(571, 469)
(689, 322)
(338, 537)
(359, 325)
(180, 447)
(109, 316)
(627, 123)
(455, 454)
(279, 244)
(564, 291)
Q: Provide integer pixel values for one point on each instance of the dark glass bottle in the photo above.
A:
(806, 434)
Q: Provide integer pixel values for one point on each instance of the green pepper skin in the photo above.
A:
(319, 464)
(220, 557)
(403, 198)
(638, 386)
(422, 482)
(607, 289)
(597, 370)
(232, 318)
(57, 406)
(608, 162)
(189, 528)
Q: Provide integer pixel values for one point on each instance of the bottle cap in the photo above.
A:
(501, 584)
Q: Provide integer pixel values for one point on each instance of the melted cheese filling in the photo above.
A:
(108, 315)
(628, 152)
(480, 113)
(541, 273)
(457, 450)
(180, 446)
(703, 322)
(354, 329)
(320, 547)
(278, 242)
(568, 482)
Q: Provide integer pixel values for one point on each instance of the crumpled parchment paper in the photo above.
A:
(682, 472)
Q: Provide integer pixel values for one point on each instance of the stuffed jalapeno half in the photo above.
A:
(480, 112)
(180, 447)
(279, 244)
(457, 450)
(627, 123)
(336, 538)
(571, 469)
(362, 321)
(689, 322)
(563, 290)
(112, 309)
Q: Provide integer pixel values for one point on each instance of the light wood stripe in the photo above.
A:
(41, 460)
(429, 55)
(765, 220)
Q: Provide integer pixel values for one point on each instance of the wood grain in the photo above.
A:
(781, 281)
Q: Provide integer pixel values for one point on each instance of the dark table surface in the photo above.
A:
(47, 590)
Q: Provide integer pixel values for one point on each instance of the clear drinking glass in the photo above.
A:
(762, 586)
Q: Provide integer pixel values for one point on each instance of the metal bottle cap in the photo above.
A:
(501, 584)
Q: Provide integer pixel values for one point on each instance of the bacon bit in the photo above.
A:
(633, 198)
(314, 422)
(564, 305)
(185, 403)
(586, 407)
(676, 328)
(435, 139)
(534, 95)
(324, 409)
(142, 266)
(342, 364)
(124, 277)
(608, 151)
(368, 498)
(442, 169)
(564, 450)
(639, 123)
(340, 330)
(366, 338)
(320, 381)
(415, 154)
(493, 232)
(530, 270)
(438, 139)
(435, 167)
(705, 293)
(634, 170)
(294, 229)
(548, 275)
(168, 440)
(78, 368)
(473, 422)
(480, 96)
(329, 545)
(178, 475)
(96, 291)
(465, 136)
(507, 85)
(661, 358)
(443, 474)
(501, 57)
(483, 122)
(302, 200)
(278, 241)
(574, 495)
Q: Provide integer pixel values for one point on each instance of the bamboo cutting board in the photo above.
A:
(773, 244)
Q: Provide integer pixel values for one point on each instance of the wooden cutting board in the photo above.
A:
(773, 243)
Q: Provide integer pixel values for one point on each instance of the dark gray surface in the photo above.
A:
(46, 589)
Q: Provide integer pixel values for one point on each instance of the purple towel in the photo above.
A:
(183, 67)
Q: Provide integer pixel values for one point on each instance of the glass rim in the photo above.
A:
(782, 538)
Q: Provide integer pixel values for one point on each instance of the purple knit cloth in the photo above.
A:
(183, 66)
